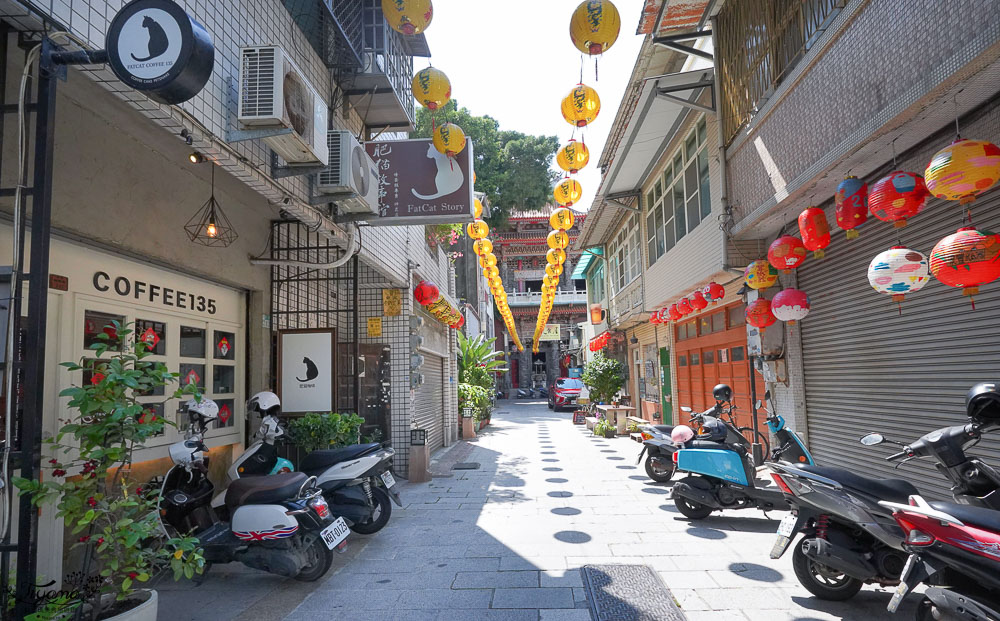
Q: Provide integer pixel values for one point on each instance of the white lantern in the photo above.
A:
(899, 271)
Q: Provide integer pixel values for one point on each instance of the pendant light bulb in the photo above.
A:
(211, 231)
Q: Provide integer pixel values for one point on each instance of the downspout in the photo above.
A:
(717, 95)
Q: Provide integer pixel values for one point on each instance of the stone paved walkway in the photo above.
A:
(506, 541)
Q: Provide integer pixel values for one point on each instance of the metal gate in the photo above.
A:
(429, 403)
(870, 368)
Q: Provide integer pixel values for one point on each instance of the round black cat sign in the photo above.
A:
(155, 47)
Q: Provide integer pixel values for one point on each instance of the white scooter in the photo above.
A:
(356, 480)
(279, 524)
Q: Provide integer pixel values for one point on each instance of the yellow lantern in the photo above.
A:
(567, 192)
(449, 139)
(409, 17)
(963, 169)
(482, 246)
(562, 219)
(551, 280)
(478, 229)
(494, 282)
(573, 157)
(488, 260)
(556, 256)
(581, 106)
(554, 270)
(477, 209)
(431, 88)
(594, 26)
(490, 272)
(558, 239)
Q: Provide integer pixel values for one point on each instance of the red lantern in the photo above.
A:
(790, 305)
(967, 259)
(852, 205)
(654, 317)
(759, 314)
(674, 313)
(815, 230)
(458, 324)
(898, 197)
(786, 253)
(684, 307)
(426, 293)
(715, 292)
(698, 301)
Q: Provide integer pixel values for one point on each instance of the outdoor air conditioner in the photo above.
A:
(350, 174)
(275, 95)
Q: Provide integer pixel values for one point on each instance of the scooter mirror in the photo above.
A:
(767, 395)
(685, 408)
(758, 404)
(873, 439)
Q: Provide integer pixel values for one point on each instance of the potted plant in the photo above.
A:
(604, 377)
(314, 432)
(604, 428)
(90, 479)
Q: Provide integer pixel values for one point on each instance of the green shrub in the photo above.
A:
(604, 377)
(313, 432)
(603, 426)
(476, 397)
(478, 361)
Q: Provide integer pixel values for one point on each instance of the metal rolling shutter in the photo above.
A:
(867, 368)
(429, 403)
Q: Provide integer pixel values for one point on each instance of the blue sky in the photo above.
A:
(514, 61)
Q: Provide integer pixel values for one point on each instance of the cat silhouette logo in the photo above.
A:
(155, 47)
(312, 372)
(448, 179)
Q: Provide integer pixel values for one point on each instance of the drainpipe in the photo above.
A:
(717, 95)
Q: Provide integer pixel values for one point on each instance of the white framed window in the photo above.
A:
(625, 260)
(680, 198)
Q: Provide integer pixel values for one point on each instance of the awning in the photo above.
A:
(588, 256)
(676, 16)
(656, 119)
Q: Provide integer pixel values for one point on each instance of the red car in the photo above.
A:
(564, 392)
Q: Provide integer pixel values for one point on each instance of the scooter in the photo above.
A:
(658, 447)
(849, 537)
(957, 549)
(523, 394)
(724, 475)
(280, 524)
(356, 480)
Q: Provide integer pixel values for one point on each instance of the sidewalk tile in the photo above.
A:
(534, 598)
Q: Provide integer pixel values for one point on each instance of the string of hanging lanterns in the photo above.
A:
(561, 220)
(483, 247)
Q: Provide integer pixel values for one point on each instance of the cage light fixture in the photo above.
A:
(209, 226)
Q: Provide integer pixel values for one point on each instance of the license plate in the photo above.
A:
(387, 479)
(335, 533)
(903, 588)
(780, 545)
(787, 526)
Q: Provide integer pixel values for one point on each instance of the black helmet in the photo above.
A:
(982, 402)
(722, 393)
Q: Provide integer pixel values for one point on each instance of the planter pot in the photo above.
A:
(145, 611)
(610, 433)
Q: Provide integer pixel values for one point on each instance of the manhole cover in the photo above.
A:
(466, 465)
(628, 593)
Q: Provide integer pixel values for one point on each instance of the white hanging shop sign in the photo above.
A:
(155, 47)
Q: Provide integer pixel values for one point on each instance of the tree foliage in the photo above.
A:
(604, 377)
(513, 169)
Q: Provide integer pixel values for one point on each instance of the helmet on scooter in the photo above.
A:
(722, 393)
(266, 403)
(205, 410)
(982, 402)
(681, 435)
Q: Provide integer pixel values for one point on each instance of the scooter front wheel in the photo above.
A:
(822, 581)
(320, 558)
(380, 515)
(660, 475)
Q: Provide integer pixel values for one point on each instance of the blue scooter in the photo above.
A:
(724, 475)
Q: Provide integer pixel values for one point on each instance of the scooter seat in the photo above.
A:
(263, 490)
(706, 444)
(664, 429)
(317, 461)
(977, 516)
(893, 490)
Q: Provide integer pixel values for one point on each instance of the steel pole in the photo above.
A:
(758, 449)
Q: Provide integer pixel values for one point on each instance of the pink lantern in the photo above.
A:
(790, 305)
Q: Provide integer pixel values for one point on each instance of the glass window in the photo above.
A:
(225, 345)
(737, 354)
(651, 239)
(737, 315)
(192, 342)
(680, 224)
(193, 374)
(223, 379)
(718, 322)
(702, 131)
(668, 175)
(154, 334)
(227, 411)
(705, 325)
(658, 227)
(658, 190)
(669, 237)
(695, 359)
(709, 356)
(571, 384)
(96, 323)
(703, 191)
(682, 361)
(690, 146)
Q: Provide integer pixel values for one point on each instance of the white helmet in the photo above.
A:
(681, 435)
(206, 409)
(267, 403)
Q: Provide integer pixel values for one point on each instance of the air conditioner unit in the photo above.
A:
(351, 175)
(275, 95)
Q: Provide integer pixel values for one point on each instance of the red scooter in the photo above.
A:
(955, 548)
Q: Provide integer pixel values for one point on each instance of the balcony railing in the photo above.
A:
(534, 298)
(333, 29)
(626, 303)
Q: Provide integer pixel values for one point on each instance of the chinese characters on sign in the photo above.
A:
(392, 302)
(375, 327)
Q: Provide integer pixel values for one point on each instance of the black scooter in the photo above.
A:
(659, 450)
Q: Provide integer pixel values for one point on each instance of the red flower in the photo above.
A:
(84, 539)
(100, 540)
(58, 473)
(96, 378)
(138, 490)
(132, 575)
(92, 502)
(54, 462)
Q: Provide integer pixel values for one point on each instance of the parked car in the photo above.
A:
(564, 392)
